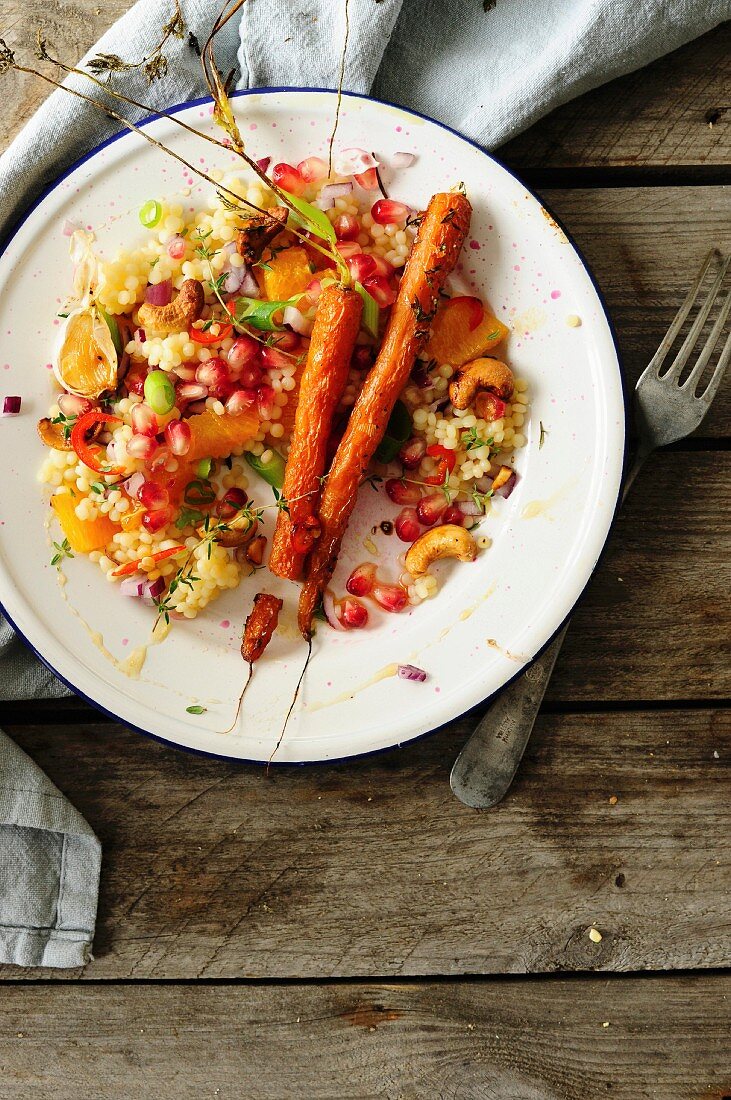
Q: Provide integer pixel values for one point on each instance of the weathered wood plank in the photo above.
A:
(673, 112)
(645, 246)
(655, 621)
(373, 869)
(638, 1039)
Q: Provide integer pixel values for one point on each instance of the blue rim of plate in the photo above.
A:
(203, 101)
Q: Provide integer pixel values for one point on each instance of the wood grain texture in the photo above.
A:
(372, 868)
(473, 1040)
(673, 112)
(644, 246)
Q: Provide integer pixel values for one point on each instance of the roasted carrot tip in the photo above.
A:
(260, 625)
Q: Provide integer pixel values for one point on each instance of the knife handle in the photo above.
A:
(484, 770)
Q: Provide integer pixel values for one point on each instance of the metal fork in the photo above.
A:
(665, 412)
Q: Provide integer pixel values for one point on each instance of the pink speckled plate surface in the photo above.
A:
(489, 619)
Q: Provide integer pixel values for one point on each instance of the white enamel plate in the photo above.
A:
(489, 618)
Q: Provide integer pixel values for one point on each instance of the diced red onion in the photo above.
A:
(328, 195)
(233, 280)
(403, 160)
(471, 508)
(11, 406)
(264, 163)
(69, 228)
(296, 320)
(229, 248)
(131, 586)
(328, 606)
(352, 162)
(411, 672)
(506, 489)
(159, 294)
(152, 589)
(140, 335)
(133, 484)
(249, 286)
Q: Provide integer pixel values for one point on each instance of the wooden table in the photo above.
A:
(353, 931)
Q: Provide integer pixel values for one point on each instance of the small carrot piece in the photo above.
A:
(326, 372)
(260, 625)
(441, 234)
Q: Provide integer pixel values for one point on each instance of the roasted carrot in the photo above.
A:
(260, 625)
(441, 234)
(333, 338)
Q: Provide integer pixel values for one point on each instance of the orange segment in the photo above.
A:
(289, 275)
(133, 519)
(216, 436)
(451, 340)
(84, 535)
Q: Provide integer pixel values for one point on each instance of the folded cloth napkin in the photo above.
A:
(489, 73)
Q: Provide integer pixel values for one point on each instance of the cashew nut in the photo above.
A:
(178, 315)
(449, 540)
(481, 374)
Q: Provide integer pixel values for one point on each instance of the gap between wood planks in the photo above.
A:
(697, 175)
(537, 978)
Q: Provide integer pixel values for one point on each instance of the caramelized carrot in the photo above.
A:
(442, 232)
(260, 625)
(333, 338)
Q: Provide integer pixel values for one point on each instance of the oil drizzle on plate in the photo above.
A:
(383, 674)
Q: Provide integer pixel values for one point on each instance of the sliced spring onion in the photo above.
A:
(159, 392)
(260, 315)
(114, 332)
(312, 219)
(199, 492)
(397, 432)
(369, 319)
(150, 213)
(204, 467)
(272, 471)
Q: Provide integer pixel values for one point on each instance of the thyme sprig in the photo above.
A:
(63, 550)
(154, 65)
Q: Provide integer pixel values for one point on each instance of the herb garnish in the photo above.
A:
(196, 709)
(63, 550)
(543, 435)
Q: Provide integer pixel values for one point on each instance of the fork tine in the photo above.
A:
(710, 392)
(669, 338)
(709, 346)
(696, 328)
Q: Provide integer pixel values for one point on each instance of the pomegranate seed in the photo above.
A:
(275, 360)
(430, 508)
(215, 375)
(453, 514)
(178, 436)
(400, 492)
(190, 391)
(155, 521)
(361, 266)
(232, 501)
(288, 178)
(348, 249)
(361, 580)
(287, 341)
(153, 496)
(313, 290)
(346, 227)
(389, 212)
(176, 248)
(489, 406)
(391, 597)
(407, 525)
(240, 401)
(412, 453)
(72, 405)
(251, 377)
(265, 401)
(368, 180)
(135, 381)
(353, 614)
(141, 446)
(243, 351)
(380, 289)
(144, 421)
(186, 371)
(312, 169)
(383, 267)
(362, 357)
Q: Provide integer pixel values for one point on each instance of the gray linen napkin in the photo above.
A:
(488, 73)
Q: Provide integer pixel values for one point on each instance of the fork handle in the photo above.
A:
(484, 770)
